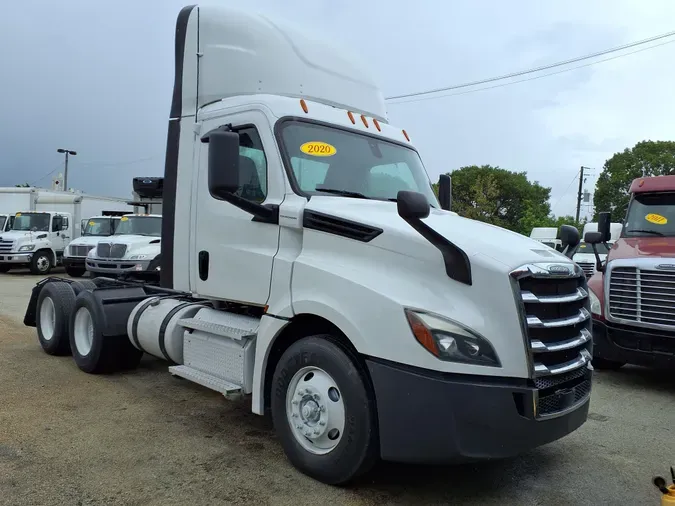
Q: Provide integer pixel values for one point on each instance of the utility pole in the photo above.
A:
(65, 171)
(580, 193)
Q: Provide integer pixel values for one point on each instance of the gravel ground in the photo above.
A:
(146, 438)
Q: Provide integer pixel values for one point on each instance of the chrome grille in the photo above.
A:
(80, 251)
(107, 250)
(587, 267)
(6, 246)
(642, 295)
(103, 250)
(555, 309)
(118, 250)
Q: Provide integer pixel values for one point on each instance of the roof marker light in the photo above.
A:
(351, 117)
(304, 106)
(377, 125)
(641, 183)
(365, 121)
(406, 135)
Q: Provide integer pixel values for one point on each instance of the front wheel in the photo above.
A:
(41, 263)
(5, 268)
(323, 411)
(75, 272)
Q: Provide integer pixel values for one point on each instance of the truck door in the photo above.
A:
(61, 232)
(232, 254)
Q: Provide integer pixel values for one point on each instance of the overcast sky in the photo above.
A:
(96, 77)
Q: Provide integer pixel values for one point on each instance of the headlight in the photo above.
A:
(138, 257)
(28, 247)
(595, 303)
(451, 341)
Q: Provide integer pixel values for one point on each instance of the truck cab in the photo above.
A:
(585, 256)
(133, 249)
(547, 236)
(633, 294)
(37, 240)
(308, 268)
(93, 230)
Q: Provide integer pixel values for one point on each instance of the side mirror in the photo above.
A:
(412, 205)
(569, 236)
(594, 238)
(223, 162)
(604, 222)
(445, 191)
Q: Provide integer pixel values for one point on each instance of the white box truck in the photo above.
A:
(6, 221)
(346, 301)
(45, 222)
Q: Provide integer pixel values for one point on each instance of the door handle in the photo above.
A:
(203, 260)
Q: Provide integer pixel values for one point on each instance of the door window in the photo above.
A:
(252, 166)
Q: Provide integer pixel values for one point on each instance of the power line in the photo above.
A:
(532, 70)
(500, 85)
(565, 193)
(47, 174)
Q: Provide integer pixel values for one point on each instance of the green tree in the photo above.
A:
(646, 158)
(500, 197)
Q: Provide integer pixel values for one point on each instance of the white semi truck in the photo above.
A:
(346, 301)
(93, 230)
(44, 224)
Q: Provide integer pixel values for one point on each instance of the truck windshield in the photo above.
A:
(98, 227)
(651, 215)
(330, 161)
(3, 220)
(35, 222)
(588, 249)
(139, 225)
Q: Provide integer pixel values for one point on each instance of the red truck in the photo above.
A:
(633, 293)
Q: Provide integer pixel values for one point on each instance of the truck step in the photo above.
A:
(219, 323)
(229, 390)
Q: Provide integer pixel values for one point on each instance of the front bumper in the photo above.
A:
(434, 418)
(116, 266)
(16, 258)
(633, 345)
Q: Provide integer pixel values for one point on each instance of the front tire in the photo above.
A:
(4, 268)
(41, 263)
(54, 306)
(323, 410)
(75, 272)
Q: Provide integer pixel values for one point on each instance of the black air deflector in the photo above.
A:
(314, 220)
(149, 187)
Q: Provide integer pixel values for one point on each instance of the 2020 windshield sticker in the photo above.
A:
(92, 223)
(124, 218)
(656, 219)
(318, 148)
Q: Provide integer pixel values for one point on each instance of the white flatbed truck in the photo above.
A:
(307, 266)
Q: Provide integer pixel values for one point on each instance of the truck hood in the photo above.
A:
(88, 240)
(132, 241)
(510, 249)
(588, 257)
(21, 236)
(636, 247)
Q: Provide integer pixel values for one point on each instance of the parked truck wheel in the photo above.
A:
(323, 411)
(5, 268)
(83, 284)
(41, 263)
(608, 365)
(93, 352)
(75, 272)
(54, 306)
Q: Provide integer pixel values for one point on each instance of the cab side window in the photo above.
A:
(252, 166)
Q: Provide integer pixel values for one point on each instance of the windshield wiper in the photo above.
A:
(645, 232)
(344, 193)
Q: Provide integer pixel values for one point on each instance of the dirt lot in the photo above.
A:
(146, 438)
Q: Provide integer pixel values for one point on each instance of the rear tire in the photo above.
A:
(54, 307)
(93, 352)
(4, 268)
(75, 272)
(607, 365)
(41, 263)
(323, 411)
(83, 284)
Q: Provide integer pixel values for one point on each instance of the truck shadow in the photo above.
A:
(658, 380)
